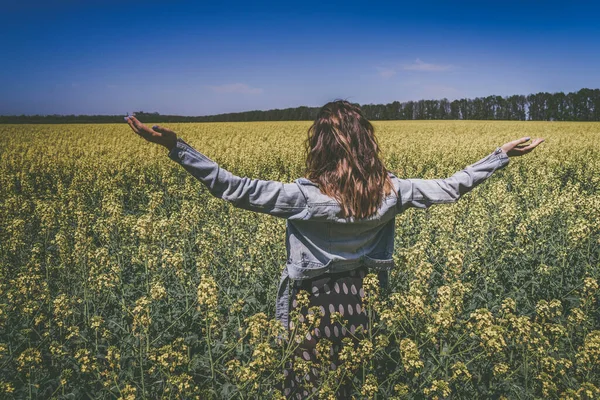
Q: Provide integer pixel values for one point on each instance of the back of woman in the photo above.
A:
(344, 235)
(339, 229)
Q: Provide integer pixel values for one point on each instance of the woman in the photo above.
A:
(340, 216)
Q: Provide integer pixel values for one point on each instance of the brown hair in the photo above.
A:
(342, 157)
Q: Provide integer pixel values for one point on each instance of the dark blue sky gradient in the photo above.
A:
(195, 58)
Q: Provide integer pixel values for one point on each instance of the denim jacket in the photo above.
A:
(317, 240)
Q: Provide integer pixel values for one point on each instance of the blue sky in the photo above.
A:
(196, 58)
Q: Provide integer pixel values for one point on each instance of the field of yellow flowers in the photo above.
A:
(122, 277)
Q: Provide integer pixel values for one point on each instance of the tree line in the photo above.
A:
(583, 105)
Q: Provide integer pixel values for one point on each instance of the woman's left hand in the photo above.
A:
(514, 148)
(157, 134)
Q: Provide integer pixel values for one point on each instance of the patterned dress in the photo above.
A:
(340, 292)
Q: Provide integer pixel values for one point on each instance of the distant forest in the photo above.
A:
(583, 105)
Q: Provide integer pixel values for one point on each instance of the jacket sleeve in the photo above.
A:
(269, 197)
(423, 193)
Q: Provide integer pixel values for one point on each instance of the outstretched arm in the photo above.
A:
(270, 197)
(423, 193)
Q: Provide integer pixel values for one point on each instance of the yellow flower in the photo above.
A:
(113, 356)
(369, 388)
(438, 388)
(170, 356)
(371, 287)
(6, 387)
(29, 358)
(128, 393)
(489, 333)
(577, 316)
(401, 390)
(302, 298)
(158, 291)
(141, 314)
(460, 371)
(589, 353)
(509, 306)
(500, 369)
(410, 356)
(549, 310)
(590, 286)
(207, 292)
(83, 357)
(96, 322)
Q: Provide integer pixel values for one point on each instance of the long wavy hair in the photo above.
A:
(342, 158)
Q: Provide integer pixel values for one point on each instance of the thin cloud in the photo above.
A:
(386, 72)
(419, 65)
(236, 88)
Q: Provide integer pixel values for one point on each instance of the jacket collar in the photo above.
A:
(306, 181)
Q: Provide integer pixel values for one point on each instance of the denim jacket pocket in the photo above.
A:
(379, 264)
(308, 269)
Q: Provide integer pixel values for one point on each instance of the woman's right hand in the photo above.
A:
(513, 150)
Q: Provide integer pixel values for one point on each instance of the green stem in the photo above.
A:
(142, 368)
(212, 368)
